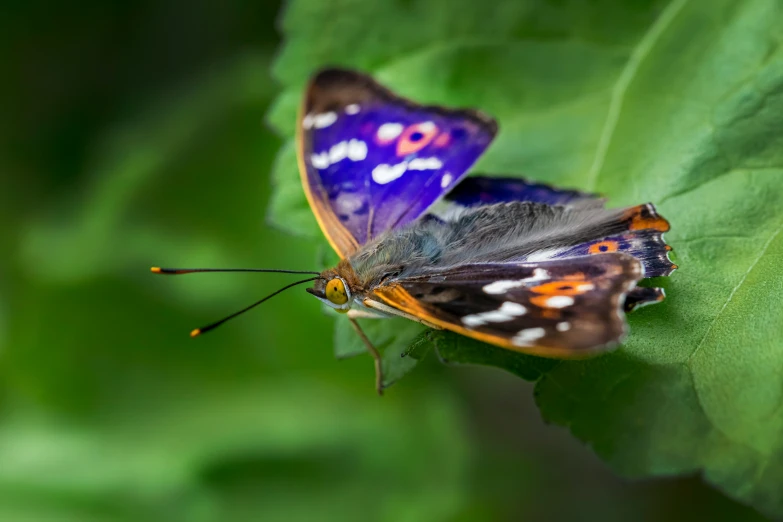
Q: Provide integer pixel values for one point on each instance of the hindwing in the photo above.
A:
(558, 308)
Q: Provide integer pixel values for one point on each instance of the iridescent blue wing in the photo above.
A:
(371, 161)
(485, 190)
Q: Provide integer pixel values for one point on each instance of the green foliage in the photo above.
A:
(392, 340)
(678, 103)
(111, 412)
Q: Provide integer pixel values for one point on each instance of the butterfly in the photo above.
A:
(518, 264)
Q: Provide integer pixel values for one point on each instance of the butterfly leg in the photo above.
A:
(374, 353)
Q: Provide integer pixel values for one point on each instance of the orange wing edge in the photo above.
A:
(338, 237)
(397, 297)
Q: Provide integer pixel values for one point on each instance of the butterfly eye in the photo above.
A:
(335, 291)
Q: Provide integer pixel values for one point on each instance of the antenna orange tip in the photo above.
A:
(196, 332)
(155, 270)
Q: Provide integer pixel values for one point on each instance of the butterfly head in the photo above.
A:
(334, 291)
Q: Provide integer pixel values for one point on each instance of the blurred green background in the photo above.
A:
(133, 135)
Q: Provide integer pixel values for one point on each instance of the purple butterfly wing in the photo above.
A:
(646, 243)
(372, 161)
(484, 190)
(643, 239)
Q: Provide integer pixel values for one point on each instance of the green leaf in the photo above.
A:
(678, 103)
(392, 337)
(288, 209)
(458, 349)
(259, 448)
(75, 240)
(111, 412)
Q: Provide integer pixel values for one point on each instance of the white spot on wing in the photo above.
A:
(357, 150)
(539, 274)
(506, 312)
(320, 161)
(527, 336)
(425, 164)
(384, 173)
(427, 126)
(501, 287)
(338, 152)
(563, 327)
(473, 320)
(348, 203)
(494, 316)
(389, 131)
(352, 108)
(514, 309)
(446, 180)
(544, 255)
(321, 121)
(559, 301)
(307, 122)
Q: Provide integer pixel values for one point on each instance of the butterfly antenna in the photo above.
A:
(199, 331)
(180, 271)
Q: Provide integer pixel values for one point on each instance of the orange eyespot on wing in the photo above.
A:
(637, 231)
(603, 247)
(558, 308)
(415, 137)
(552, 303)
(357, 148)
(563, 287)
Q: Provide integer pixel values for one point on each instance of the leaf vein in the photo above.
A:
(640, 52)
(734, 290)
(698, 185)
